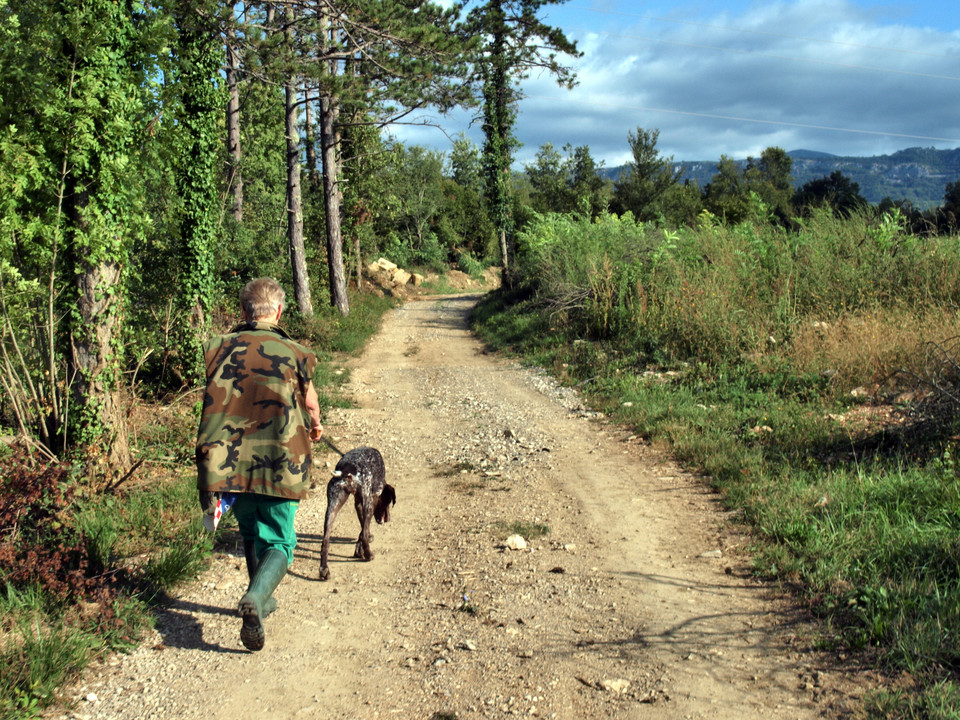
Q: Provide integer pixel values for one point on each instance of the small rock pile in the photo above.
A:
(392, 278)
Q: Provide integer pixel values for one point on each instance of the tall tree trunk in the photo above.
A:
(99, 428)
(234, 172)
(359, 263)
(351, 69)
(103, 425)
(496, 128)
(329, 146)
(200, 58)
(309, 140)
(298, 259)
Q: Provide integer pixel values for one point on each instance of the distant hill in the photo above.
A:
(916, 174)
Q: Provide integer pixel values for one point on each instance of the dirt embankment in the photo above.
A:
(635, 602)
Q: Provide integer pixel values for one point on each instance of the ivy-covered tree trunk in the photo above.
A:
(515, 42)
(498, 118)
(200, 59)
(102, 129)
(100, 424)
(333, 201)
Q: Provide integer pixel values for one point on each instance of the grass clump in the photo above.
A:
(525, 529)
(938, 702)
(785, 365)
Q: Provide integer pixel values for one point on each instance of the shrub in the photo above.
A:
(471, 266)
(40, 544)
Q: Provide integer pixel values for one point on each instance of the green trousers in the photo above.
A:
(268, 522)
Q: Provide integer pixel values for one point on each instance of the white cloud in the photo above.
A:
(814, 74)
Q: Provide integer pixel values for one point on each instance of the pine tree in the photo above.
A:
(381, 59)
(645, 179)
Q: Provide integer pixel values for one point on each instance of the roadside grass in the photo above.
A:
(39, 653)
(468, 487)
(444, 716)
(442, 286)
(939, 702)
(456, 468)
(785, 367)
(130, 546)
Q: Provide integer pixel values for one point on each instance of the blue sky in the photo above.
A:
(848, 77)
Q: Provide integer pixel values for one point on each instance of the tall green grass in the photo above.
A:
(740, 346)
(42, 647)
(722, 294)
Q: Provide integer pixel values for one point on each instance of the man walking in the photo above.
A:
(260, 412)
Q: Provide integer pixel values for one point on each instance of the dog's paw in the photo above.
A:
(324, 573)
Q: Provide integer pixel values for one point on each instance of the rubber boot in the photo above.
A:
(270, 571)
(250, 553)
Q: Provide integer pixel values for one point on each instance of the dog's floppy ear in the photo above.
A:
(387, 498)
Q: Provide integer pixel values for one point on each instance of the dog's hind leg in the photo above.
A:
(364, 505)
(336, 497)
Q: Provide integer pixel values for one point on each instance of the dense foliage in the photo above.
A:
(719, 293)
(124, 228)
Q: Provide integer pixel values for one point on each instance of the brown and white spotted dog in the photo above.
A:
(360, 472)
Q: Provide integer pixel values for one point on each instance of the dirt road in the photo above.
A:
(635, 603)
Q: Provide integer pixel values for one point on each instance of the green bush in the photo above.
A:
(471, 266)
(430, 255)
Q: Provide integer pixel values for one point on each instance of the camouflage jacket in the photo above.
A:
(254, 431)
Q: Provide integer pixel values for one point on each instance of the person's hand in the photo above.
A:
(316, 432)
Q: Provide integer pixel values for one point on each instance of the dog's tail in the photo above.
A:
(387, 498)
